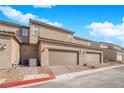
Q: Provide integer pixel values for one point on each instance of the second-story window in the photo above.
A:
(103, 46)
(22, 32)
(118, 48)
(70, 37)
(89, 43)
(18, 32)
(25, 32)
(36, 30)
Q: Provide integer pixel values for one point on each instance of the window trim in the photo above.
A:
(36, 30)
(25, 32)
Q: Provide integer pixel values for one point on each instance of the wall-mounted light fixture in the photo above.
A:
(3, 46)
(82, 51)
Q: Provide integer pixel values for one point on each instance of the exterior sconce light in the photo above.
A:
(3, 46)
(82, 51)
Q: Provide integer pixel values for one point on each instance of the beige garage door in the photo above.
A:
(119, 57)
(62, 57)
(92, 58)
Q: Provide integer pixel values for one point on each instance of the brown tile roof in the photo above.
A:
(10, 34)
(69, 43)
(51, 26)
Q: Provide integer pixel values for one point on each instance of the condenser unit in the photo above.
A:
(33, 62)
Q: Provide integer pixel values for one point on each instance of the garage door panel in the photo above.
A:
(92, 58)
(62, 57)
(119, 57)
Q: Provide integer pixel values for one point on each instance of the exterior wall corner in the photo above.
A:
(44, 57)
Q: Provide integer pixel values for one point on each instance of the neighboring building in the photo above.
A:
(46, 45)
(112, 52)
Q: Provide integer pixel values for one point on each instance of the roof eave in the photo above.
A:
(51, 26)
(12, 35)
(79, 38)
(69, 43)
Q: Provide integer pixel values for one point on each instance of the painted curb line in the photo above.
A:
(25, 82)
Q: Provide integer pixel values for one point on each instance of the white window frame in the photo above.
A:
(89, 44)
(71, 38)
(103, 46)
(18, 32)
(36, 30)
(25, 32)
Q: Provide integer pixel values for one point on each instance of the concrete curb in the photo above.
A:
(25, 82)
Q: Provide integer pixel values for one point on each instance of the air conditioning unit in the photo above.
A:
(25, 62)
(33, 62)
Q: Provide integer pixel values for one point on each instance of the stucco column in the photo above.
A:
(102, 59)
(45, 57)
(82, 57)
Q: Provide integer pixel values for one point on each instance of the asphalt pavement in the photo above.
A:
(113, 78)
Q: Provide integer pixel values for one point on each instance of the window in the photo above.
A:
(18, 32)
(118, 48)
(22, 32)
(103, 46)
(70, 37)
(25, 32)
(89, 43)
(36, 30)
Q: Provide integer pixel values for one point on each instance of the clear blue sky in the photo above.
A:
(99, 23)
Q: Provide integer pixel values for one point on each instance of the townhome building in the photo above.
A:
(41, 44)
(112, 52)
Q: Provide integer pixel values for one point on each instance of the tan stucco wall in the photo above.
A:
(29, 51)
(15, 53)
(45, 46)
(4, 27)
(120, 53)
(81, 42)
(32, 38)
(46, 32)
(54, 34)
(109, 54)
(24, 39)
(9, 28)
(10, 55)
(5, 54)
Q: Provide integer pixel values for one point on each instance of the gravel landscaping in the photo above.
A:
(18, 74)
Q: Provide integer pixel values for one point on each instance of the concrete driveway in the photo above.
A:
(113, 78)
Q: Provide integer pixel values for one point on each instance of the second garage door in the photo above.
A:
(119, 57)
(57, 57)
(92, 58)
